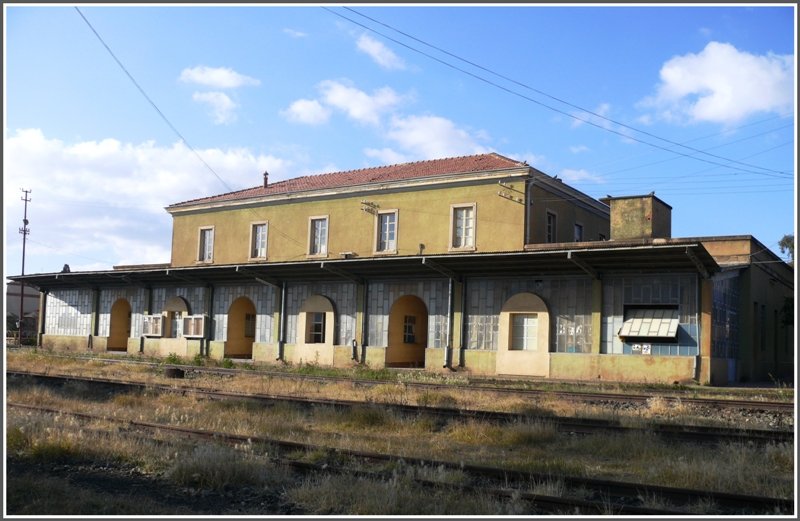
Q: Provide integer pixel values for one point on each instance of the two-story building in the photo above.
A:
(479, 263)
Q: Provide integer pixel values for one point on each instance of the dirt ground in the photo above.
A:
(90, 488)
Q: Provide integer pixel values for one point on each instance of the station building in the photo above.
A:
(480, 264)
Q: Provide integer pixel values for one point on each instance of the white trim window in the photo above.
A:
(151, 325)
(205, 250)
(462, 225)
(315, 327)
(193, 326)
(524, 331)
(386, 236)
(318, 236)
(258, 240)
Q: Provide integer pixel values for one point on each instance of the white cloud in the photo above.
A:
(578, 149)
(381, 54)
(576, 176)
(429, 137)
(386, 156)
(95, 204)
(310, 112)
(216, 77)
(722, 84)
(295, 34)
(356, 103)
(223, 108)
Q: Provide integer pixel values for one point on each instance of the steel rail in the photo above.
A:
(479, 384)
(561, 423)
(609, 489)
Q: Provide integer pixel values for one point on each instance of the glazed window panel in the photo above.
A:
(258, 241)
(409, 329)
(524, 331)
(249, 325)
(387, 232)
(315, 325)
(318, 241)
(551, 230)
(205, 251)
(193, 326)
(578, 234)
(463, 227)
(151, 325)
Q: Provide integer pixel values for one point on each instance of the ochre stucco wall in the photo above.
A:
(423, 218)
(622, 368)
(567, 215)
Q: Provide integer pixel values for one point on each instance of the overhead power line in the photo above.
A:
(273, 229)
(152, 103)
(542, 93)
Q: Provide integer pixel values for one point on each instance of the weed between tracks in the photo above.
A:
(533, 445)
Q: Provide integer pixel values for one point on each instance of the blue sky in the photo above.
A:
(599, 96)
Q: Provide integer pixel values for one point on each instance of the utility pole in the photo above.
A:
(24, 231)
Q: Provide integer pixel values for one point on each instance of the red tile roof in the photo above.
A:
(365, 176)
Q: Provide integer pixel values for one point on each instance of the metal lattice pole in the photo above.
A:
(24, 231)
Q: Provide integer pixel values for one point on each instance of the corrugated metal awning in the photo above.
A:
(650, 323)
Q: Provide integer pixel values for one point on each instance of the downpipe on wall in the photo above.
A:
(282, 323)
(448, 354)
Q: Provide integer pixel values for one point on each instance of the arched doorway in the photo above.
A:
(175, 309)
(120, 326)
(241, 329)
(523, 345)
(316, 331)
(408, 333)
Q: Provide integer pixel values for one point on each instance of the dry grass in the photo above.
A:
(532, 445)
(218, 467)
(398, 496)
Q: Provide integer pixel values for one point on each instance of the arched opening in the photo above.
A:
(316, 331)
(174, 310)
(241, 329)
(524, 336)
(120, 326)
(408, 333)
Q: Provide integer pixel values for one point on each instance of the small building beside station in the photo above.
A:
(480, 264)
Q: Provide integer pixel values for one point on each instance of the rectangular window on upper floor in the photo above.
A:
(258, 241)
(552, 228)
(318, 236)
(386, 232)
(205, 250)
(462, 226)
(578, 232)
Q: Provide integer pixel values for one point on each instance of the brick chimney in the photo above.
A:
(639, 217)
(266, 178)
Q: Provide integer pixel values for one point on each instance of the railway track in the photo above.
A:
(571, 425)
(486, 385)
(619, 498)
